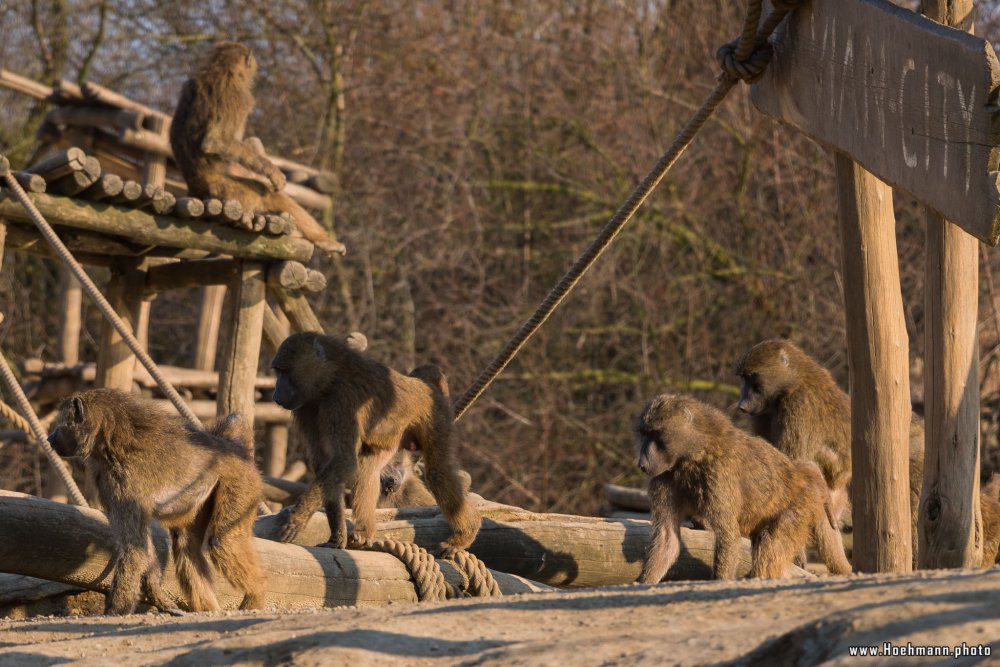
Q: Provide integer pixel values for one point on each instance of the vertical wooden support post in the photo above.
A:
(154, 171)
(207, 342)
(276, 453)
(950, 526)
(115, 361)
(878, 353)
(241, 340)
(70, 305)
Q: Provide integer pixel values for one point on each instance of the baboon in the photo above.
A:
(989, 501)
(701, 465)
(207, 139)
(355, 414)
(203, 486)
(401, 485)
(797, 406)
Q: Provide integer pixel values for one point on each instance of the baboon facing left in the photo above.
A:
(702, 466)
(202, 485)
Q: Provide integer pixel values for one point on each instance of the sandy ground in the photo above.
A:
(749, 622)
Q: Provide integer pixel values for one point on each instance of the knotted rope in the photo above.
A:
(743, 60)
(429, 581)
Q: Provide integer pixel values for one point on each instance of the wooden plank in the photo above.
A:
(878, 356)
(158, 230)
(244, 323)
(913, 101)
(950, 525)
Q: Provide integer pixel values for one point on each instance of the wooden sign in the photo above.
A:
(911, 100)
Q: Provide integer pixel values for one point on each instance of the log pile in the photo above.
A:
(525, 552)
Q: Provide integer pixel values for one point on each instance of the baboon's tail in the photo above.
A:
(236, 428)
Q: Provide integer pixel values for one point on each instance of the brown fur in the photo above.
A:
(702, 466)
(207, 139)
(202, 485)
(401, 485)
(990, 502)
(356, 414)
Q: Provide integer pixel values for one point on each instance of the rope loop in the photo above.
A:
(428, 579)
(479, 580)
(749, 70)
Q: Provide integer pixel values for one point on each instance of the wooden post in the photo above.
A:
(207, 342)
(115, 361)
(244, 324)
(878, 353)
(154, 171)
(276, 453)
(70, 304)
(294, 305)
(950, 527)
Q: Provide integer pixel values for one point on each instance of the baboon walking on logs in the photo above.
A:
(702, 466)
(201, 485)
(207, 139)
(356, 414)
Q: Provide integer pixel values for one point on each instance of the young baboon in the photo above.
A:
(356, 413)
(700, 465)
(201, 485)
(207, 139)
(401, 485)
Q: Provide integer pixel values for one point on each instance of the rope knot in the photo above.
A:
(749, 70)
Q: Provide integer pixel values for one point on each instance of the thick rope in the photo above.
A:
(480, 581)
(95, 294)
(755, 50)
(34, 427)
(428, 579)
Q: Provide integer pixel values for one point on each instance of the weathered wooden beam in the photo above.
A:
(241, 341)
(196, 273)
(23, 85)
(627, 497)
(295, 306)
(209, 320)
(913, 101)
(878, 354)
(70, 305)
(90, 249)
(30, 182)
(115, 361)
(73, 545)
(264, 412)
(143, 227)
(106, 187)
(119, 119)
(554, 549)
(275, 331)
(62, 163)
(295, 276)
(950, 526)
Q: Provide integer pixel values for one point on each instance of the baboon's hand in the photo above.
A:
(292, 523)
(277, 178)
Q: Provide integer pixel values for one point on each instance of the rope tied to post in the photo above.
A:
(745, 59)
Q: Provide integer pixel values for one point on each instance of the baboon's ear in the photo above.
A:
(357, 341)
(319, 349)
(77, 409)
(783, 358)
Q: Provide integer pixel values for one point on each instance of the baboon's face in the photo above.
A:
(69, 434)
(392, 478)
(753, 399)
(299, 367)
(664, 435)
(763, 372)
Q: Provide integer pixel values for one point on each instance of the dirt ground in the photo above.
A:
(748, 622)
